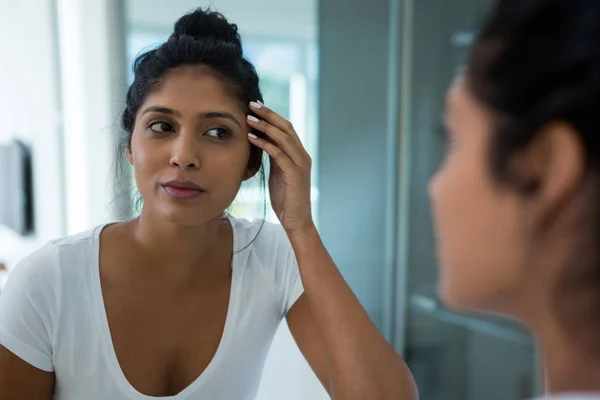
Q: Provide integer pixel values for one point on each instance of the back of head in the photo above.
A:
(535, 62)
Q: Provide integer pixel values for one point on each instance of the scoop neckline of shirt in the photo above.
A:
(107, 342)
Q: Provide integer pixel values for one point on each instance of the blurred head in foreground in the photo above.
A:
(516, 203)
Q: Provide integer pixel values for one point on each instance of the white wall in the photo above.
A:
(92, 70)
(61, 82)
(29, 110)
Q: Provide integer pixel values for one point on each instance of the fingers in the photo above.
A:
(281, 158)
(285, 142)
(274, 119)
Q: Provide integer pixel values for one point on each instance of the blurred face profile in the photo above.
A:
(478, 223)
(189, 147)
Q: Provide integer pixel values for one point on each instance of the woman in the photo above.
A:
(516, 203)
(182, 302)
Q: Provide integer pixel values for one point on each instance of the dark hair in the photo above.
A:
(536, 62)
(202, 38)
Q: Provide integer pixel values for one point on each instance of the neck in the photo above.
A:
(571, 359)
(180, 247)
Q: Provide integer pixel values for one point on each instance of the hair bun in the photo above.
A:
(205, 24)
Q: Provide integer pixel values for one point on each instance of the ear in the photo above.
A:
(254, 163)
(129, 154)
(556, 160)
(251, 172)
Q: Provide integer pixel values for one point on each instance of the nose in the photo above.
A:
(184, 154)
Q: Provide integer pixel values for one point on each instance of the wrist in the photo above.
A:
(307, 231)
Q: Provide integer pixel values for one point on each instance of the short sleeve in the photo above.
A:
(28, 308)
(273, 252)
(278, 257)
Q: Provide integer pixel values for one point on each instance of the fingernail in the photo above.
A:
(252, 136)
(252, 118)
(260, 102)
(256, 104)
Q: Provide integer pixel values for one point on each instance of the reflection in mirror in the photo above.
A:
(218, 285)
(284, 52)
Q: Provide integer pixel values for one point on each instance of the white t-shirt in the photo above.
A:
(52, 316)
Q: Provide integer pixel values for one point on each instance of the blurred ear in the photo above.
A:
(554, 163)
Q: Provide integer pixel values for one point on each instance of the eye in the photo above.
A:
(161, 127)
(218, 133)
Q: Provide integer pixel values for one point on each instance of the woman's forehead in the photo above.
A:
(185, 90)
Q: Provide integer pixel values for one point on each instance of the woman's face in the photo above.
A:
(190, 147)
(478, 222)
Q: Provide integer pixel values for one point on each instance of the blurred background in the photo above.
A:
(362, 81)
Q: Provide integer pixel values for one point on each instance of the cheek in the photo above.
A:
(227, 165)
(142, 154)
(476, 226)
(149, 160)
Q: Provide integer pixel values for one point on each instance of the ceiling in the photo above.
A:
(294, 19)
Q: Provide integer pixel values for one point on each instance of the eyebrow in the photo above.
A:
(202, 115)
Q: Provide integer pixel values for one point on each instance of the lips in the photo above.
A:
(183, 189)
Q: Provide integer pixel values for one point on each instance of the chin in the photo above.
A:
(460, 298)
(449, 298)
(448, 292)
(465, 299)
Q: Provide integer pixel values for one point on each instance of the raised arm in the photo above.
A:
(343, 346)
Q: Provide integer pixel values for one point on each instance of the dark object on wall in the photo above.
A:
(16, 187)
